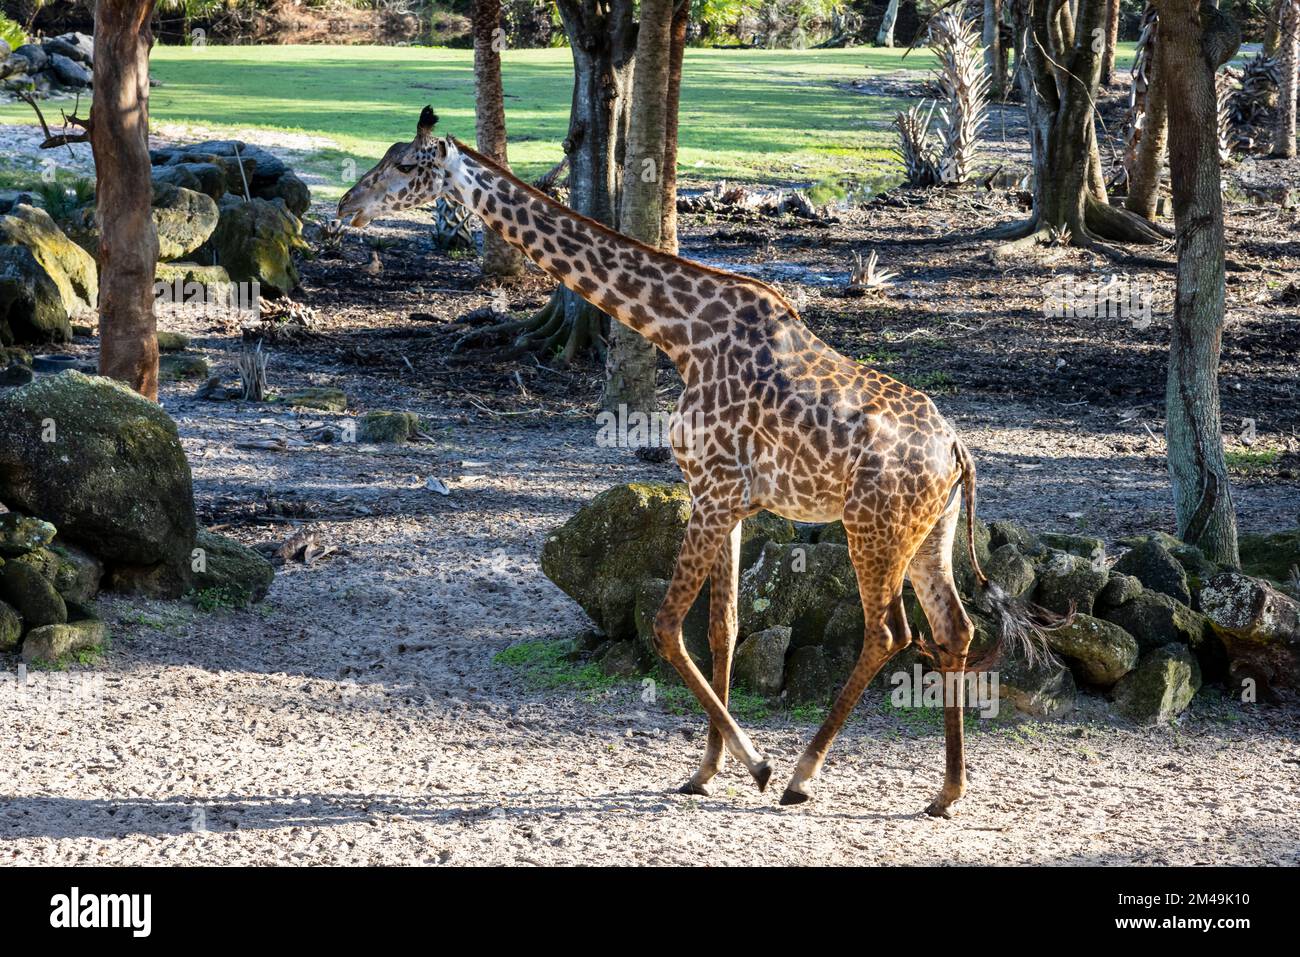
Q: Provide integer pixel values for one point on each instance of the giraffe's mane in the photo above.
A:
(602, 229)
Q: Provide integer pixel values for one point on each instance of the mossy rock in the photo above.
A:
(70, 267)
(11, 627)
(1003, 532)
(798, 585)
(623, 538)
(323, 398)
(1068, 581)
(1152, 564)
(387, 427)
(172, 341)
(255, 240)
(1270, 556)
(235, 570)
(809, 678)
(1092, 550)
(79, 573)
(760, 661)
(31, 594)
(290, 188)
(1045, 689)
(206, 277)
(114, 479)
(1120, 588)
(54, 642)
(1102, 650)
(963, 572)
(1011, 571)
(183, 218)
(20, 534)
(695, 629)
(620, 659)
(207, 178)
(176, 366)
(31, 309)
(1161, 687)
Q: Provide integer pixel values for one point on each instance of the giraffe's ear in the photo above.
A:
(428, 120)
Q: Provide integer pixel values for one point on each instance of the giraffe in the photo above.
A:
(780, 421)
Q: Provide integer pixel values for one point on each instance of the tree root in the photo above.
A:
(557, 329)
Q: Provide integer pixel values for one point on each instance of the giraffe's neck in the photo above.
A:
(668, 300)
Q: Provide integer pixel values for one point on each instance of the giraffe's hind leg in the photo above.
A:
(880, 581)
(710, 525)
(931, 575)
(724, 582)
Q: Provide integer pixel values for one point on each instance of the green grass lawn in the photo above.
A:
(746, 114)
(766, 115)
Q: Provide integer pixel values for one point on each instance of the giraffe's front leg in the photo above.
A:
(724, 583)
(709, 527)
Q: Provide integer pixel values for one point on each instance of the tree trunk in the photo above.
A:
(602, 38)
(500, 259)
(1059, 79)
(1273, 29)
(885, 36)
(1144, 177)
(995, 63)
(668, 227)
(1112, 40)
(631, 360)
(1288, 61)
(1193, 44)
(128, 242)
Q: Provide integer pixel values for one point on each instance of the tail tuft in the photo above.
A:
(1021, 625)
(1022, 629)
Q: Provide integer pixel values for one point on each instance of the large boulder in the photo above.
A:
(695, 629)
(760, 661)
(963, 572)
(1153, 565)
(50, 643)
(1092, 550)
(11, 627)
(32, 594)
(101, 462)
(1155, 619)
(1161, 687)
(255, 241)
(290, 188)
(1067, 580)
(70, 73)
(37, 59)
(1259, 625)
(796, 584)
(621, 539)
(78, 47)
(69, 267)
(1102, 651)
(266, 167)
(1043, 689)
(207, 178)
(1010, 570)
(225, 566)
(184, 218)
(31, 309)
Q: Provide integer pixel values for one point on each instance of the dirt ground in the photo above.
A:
(358, 716)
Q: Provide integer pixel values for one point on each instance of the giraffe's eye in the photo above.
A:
(406, 168)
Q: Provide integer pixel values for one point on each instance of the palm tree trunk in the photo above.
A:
(1288, 61)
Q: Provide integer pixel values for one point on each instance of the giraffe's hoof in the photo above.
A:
(762, 774)
(690, 787)
(793, 796)
(939, 809)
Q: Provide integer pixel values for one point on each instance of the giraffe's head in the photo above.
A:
(410, 174)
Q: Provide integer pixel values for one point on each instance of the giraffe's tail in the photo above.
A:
(1021, 625)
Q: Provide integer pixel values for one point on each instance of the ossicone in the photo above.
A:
(428, 120)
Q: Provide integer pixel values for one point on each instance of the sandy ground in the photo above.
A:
(357, 715)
